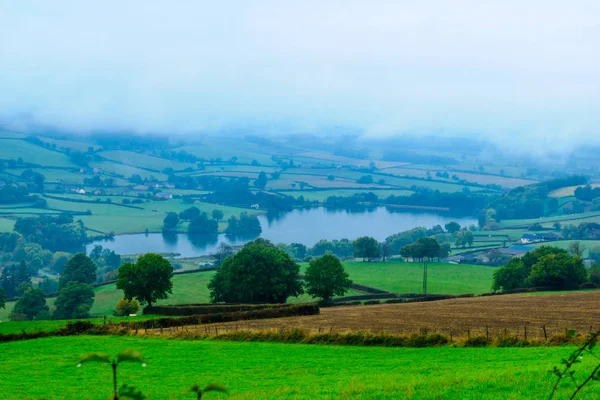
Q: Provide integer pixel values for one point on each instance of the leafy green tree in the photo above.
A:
(189, 213)
(170, 222)
(217, 215)
(452, 227)
(261, 181)
(558, 270)
(59, 260)
(15, 279)
(147, 280)
(75, 300)
(577, 249)
(201, 225)
(223, 251)
(513, 275)
(325, 277)
(259, 273)
(80, 268)
(31, 305)
(127, 307)
(298, 250)
(48, 285)
(2, 299)
(366, 247)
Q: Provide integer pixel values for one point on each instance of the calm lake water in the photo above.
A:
(299, 226)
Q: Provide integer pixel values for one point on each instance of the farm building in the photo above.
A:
(141, 188)
(515, 251)
(539, 237)
(164, 196)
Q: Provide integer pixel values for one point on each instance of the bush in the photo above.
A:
(588, 285)
(127, 307)
(371, 302)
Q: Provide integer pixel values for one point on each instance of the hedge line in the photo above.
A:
(72, 328)
(270, 312)
(201, 309)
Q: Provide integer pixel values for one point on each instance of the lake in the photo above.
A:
(306, 226)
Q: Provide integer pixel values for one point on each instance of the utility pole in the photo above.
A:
(425, 276)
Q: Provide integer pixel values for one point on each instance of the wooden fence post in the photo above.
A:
(545, 333)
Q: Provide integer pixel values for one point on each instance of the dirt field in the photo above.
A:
(556, 312)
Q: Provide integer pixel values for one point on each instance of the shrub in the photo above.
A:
(371, 302)
(477, 341)
(126, 307)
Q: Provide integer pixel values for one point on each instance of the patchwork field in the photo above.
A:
(555, 311)
(277, 371)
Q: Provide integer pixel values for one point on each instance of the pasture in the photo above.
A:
(405, 277)
(276, 371)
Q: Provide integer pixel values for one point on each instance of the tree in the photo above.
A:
(147, 280)
(261, 181)
(366, 247)
(217, 215)
(452, 227)
(511, 276)
(80, 268)
(170, 222)
(577, 249)
(558, 270)
(15, 279)
(2, 299)
(223, 251)
(75, 300)
(31, 305)
(59, 260)
(259, 273)
(325, 277)
(201, 225)
(189, 213)
(298, 250)
(127, 307)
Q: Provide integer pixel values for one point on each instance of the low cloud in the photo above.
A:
(507, 70)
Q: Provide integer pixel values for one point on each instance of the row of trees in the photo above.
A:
(75, 297)
(545, 266)
(263, 273)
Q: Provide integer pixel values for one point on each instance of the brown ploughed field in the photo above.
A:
(498, 314)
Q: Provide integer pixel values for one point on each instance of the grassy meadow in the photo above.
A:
(404, 277)
(276, 371)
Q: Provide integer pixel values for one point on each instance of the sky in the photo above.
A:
(492, 69)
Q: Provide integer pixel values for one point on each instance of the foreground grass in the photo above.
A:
(46, 368)
(402, 277)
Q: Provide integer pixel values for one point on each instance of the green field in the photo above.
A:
(31, 153)
(6, 225)
(107, 217)
(404, 277)
(46, 368)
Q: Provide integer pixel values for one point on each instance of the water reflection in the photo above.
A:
(305, 226)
